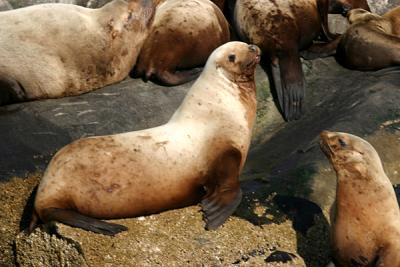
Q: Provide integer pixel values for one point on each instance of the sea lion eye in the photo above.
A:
(231, 58)
(342, 143)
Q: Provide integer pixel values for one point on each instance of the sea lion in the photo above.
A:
(196, 156)
(56, 50)
(372, 42)
(366, 225)
(177, 43)
(283, 28)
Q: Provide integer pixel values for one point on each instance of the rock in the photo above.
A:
(382, 6)
(42, 249)
(5, 5)
(280, 256)
(362, 103)
(36, 130)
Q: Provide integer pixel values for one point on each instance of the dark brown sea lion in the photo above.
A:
(372, 42)
(196, 156)
(283, 28)
(366, 223)
(56, 50)
(183, 35)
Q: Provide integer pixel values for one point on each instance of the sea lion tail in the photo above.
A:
(75, 219)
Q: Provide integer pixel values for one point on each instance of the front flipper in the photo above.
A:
(11, 91)
(288, 79)
(169, 78)
(321, 50)
(323, 10)
(223, 191)
(75, 219)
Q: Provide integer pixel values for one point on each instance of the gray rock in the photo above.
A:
(382, 6)
(5, 5)
(36, 130)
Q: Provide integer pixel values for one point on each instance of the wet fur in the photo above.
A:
(282, 29)
(197, 156)
(42, 49)
(366, 223)
(372, 42)
(177, 22)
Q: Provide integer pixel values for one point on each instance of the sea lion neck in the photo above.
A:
(215, 94)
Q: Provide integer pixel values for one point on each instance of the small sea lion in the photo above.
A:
(366, 224)
(372, 42)
(196, 156)
(178, 44)
(56, 50)
(283, 28)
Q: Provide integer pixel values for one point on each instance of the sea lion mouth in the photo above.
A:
(254, 61)
(326, 149)
(324, 144)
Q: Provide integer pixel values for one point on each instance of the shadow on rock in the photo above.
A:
(311, 227)
(261, 206)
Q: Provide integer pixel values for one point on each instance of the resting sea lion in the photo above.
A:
(366, 225)
(56, 50)
(283, 28)
(196, 156)
(178, 42)
(372, 42)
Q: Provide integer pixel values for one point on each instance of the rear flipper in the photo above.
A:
(169, 78)
(75, 219)
(321, 50)
(11, 91)
(288, 79)
(223, 194)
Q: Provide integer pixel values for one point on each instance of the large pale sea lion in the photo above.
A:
(283, 28)
(372, 42)
(183, 35)
(56, 50)
(196, 156)
(366, 224)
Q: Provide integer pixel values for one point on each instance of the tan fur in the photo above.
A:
(148, 171)
(184, 34)
(56, 50)
(366, 226)
(372, 41)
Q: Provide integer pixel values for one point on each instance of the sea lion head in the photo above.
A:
(235, 60)
(359, 14)
(344, 6)
(346, 151)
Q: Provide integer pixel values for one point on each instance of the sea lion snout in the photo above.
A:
(253, 48)
(326, 134)
(257, 51)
